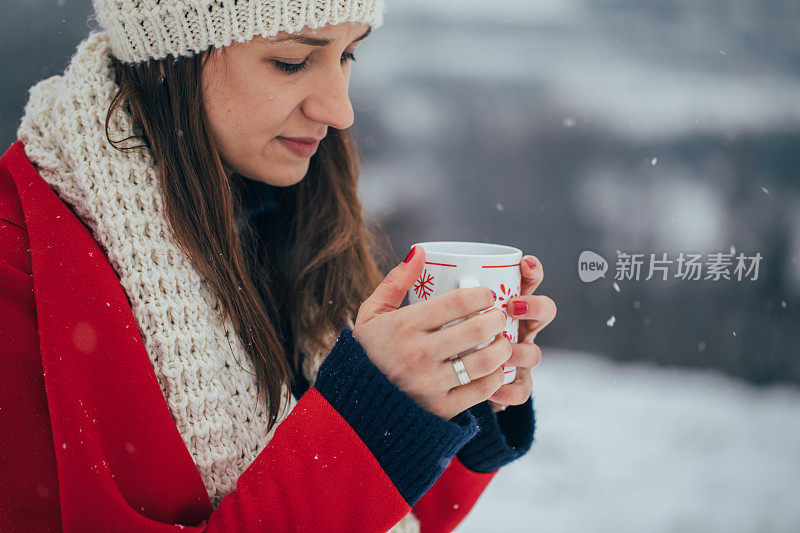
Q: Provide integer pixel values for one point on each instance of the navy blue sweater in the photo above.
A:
(411, 444)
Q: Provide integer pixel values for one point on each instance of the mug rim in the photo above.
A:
(506, 250)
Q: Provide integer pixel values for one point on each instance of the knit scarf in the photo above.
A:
(206, 376)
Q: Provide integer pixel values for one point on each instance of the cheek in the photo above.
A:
(246, 112)
(220, 109)
(249, 105)
(243, 119)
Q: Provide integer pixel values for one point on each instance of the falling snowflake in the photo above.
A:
(654, 161)
(424, 285)
(766, 191)
(616, 287)
(610, 321)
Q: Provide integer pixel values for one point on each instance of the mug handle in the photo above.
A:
(468, 280)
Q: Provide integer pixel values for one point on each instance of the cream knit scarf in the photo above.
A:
(212, 399)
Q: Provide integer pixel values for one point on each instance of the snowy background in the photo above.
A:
(559, 126)
(627, 447)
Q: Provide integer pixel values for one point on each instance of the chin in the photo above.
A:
(297, 173)
(286, 178)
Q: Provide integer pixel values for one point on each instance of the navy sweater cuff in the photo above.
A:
(502, 437)
(412, 445)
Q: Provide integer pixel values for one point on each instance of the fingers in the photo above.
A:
(516, 392)
(532, 274)
(479, 363)
(467, 334)
(541, 310)
(476, 390)
(445, 308)
(538, 307)
(524, 355)
(528, 329)
(389, 294)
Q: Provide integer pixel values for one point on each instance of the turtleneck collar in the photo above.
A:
(258, 197)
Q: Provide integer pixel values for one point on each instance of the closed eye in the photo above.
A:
(293, 68)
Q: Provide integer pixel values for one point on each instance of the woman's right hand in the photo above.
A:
(410, 348)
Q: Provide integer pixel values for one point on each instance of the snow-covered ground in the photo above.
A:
(632, 447)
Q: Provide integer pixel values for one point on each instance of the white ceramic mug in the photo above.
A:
(456, 264)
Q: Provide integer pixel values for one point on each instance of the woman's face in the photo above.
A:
(258, 93)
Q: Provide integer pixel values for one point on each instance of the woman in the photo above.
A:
(176, 315)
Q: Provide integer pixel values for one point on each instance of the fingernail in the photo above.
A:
(519, 307)
(494, 294)
(531, 262)
(410, 254)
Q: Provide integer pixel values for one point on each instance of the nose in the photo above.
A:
(329, 101)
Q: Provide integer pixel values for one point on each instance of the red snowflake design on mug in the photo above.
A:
(505, 295)
(424, 285)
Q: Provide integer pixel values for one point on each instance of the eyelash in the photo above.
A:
(293, 68)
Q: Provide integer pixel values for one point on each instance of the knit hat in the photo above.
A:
(139, 30)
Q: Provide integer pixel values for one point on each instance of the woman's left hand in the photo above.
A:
(525, 354)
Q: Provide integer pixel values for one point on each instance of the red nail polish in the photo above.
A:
(520, 307)
(494, 294)
(410, 255)
(531, 262)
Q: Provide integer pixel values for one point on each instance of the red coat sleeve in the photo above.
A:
(450, 498)
(314, 475)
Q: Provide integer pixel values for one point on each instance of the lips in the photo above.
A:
(309, 140)
(300, 146)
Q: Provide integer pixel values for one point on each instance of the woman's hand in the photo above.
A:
(525, 354)
(410, 348)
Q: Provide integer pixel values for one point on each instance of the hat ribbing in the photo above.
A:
(139, 30)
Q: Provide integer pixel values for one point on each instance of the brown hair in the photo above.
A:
(318, 260)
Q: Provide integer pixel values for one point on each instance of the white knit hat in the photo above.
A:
(139, 30)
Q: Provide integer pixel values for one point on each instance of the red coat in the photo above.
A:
(87, 440)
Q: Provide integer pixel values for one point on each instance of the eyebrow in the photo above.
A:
(313, 41)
